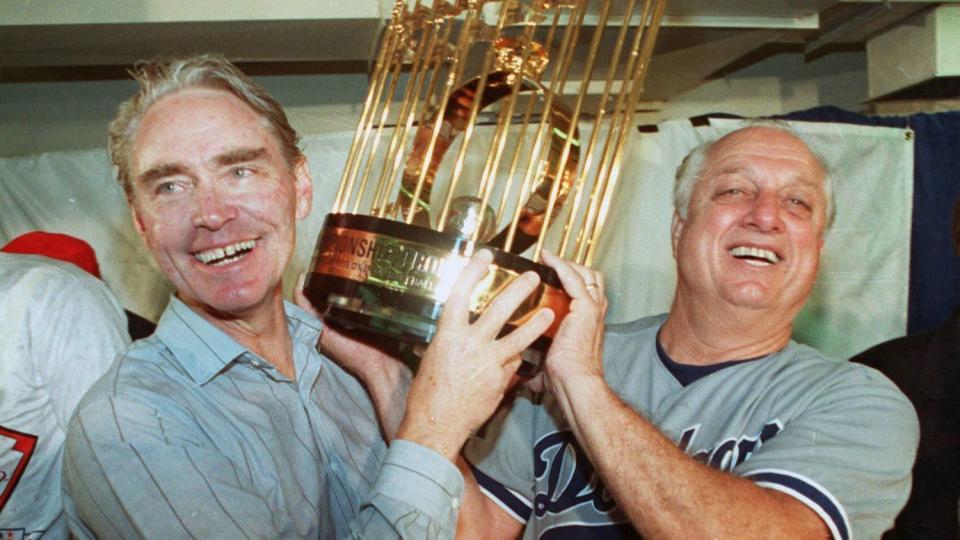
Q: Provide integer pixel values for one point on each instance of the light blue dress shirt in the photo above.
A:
(191, 435)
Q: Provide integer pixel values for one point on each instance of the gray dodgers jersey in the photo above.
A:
(838, 436)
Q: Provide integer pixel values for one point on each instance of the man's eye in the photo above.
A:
(241, 172)
(165, 188)
(730, 193)
(800, 203)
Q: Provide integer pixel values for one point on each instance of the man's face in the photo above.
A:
(215, 200)
(753, 233)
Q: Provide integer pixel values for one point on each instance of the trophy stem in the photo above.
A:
(472, 119)
(574, 119)
(409, 111)
(455, 71)
(387, 51)
(642, 64)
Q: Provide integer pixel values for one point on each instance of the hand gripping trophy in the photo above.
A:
(494, 123)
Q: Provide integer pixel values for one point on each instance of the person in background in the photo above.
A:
(60, 329)
(926, 367)
(70, 249)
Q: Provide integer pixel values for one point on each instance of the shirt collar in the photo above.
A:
(687, 374)
(204, 350)
(305, 331)
(201, 348)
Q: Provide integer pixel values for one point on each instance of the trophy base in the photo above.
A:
(392, 279)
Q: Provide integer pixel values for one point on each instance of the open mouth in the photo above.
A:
(226, 254)
(755, 256)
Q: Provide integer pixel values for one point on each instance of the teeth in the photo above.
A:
(227, 261)
(226, 254)
(755, 253)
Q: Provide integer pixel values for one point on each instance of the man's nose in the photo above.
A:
(765, 214)
(212, 210)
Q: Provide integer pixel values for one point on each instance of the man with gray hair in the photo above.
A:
(227, 422)
(707, 421)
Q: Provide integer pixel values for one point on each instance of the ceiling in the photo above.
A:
(52, 40)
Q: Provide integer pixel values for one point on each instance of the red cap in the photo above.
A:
(56, 246)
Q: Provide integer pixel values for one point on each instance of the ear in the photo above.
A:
(137, 222)
(676, 229)
(303, 186)
(139, 225)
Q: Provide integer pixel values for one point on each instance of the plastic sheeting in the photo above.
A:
(860, 297)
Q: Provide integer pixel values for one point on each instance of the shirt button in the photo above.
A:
(455, 503)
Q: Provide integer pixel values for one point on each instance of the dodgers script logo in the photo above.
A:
(731, 452)
(568, 483)
(580, 485)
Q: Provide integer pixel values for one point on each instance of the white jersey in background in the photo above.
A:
(60, 329)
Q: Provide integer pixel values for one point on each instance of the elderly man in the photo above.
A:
(707, 422)
(227, 422)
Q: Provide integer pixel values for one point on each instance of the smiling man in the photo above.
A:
(227, 422)
(708, 422)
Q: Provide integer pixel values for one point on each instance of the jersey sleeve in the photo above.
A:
(77, 342)
(848, 457)
(502, 458)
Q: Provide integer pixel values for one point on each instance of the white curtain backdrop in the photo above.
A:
(860, 297)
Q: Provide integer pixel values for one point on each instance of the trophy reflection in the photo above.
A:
(495, 124)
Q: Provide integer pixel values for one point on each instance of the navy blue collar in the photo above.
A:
(687, 374)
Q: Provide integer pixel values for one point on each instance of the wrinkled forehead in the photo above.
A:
(197, 123)
(768, 150)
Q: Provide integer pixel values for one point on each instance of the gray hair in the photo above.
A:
(692, 167)
(210, 71)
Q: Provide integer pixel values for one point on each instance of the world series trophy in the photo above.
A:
(484, 125)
